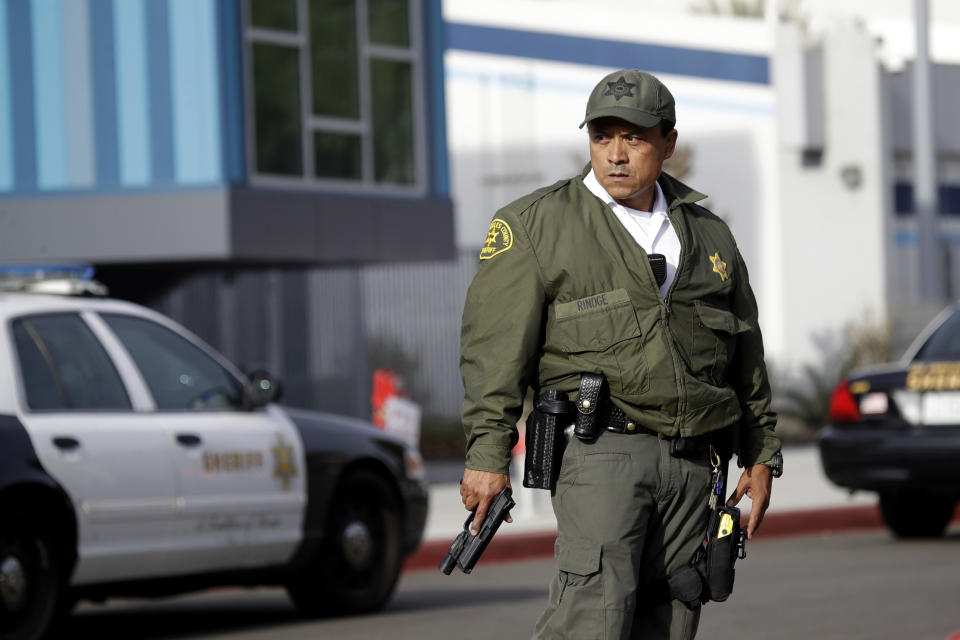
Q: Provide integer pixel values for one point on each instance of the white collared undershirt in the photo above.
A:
(651, 230)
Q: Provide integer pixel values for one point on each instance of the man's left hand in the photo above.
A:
(755, 483)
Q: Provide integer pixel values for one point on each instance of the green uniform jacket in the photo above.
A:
(562, 289)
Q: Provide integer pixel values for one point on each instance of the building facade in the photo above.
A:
(281, 175)
(212, 158)
(163, 130)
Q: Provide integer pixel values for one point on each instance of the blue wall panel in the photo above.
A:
(78, 89)
(49, 106)
(195, 88)
(161, 104)
(21, 96)
(435, 46)
(6, 128)
(104, 93)
(133, 107)
(230, 40)
(108, 94)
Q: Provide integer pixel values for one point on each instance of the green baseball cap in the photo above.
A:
(631, 95)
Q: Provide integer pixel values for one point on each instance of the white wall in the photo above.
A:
(833, 235)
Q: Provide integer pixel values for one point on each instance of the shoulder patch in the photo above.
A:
(499, 239)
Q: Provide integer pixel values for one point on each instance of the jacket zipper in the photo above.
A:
(677, 369)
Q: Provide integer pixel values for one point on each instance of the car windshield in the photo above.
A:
(944, 344)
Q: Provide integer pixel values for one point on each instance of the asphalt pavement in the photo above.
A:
(859, 583)
(849, 586)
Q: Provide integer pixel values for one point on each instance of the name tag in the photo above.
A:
(590, 304)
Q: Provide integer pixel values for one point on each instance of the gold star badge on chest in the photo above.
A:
(719, 266)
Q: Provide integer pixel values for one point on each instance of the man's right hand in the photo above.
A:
(477, 490)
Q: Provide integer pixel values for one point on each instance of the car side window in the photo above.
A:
(64, 366)
(178, 373)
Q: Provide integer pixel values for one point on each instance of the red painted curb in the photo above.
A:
(505, 548)
(823, 521)
(817, 521)
(524, 546)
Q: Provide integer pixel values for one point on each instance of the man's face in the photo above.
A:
(627, 159)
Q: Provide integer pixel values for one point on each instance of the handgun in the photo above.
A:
(467, 548)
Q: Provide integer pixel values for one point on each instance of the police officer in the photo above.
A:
(565, 288)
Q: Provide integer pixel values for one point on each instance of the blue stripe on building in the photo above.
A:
(158, 91)
(104, 92)
(948, 197)
(49, 107)
(196, 115)
(133, 106)
(6, 127)
(908, 238)
(80, 145)
(230, 37)
(21, 96)
(716, 65)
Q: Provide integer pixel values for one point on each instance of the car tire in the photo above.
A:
(916, 515)
(31, 580)
(359, 562)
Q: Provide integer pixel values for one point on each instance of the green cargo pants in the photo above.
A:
(628, 515)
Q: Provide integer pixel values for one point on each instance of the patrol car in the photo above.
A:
(137, 461)
(895, 429)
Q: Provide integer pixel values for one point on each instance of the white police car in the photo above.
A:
(135, 460)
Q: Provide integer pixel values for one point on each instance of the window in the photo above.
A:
(335, 92)
(64, 366)
(944, 344)
(178, 373)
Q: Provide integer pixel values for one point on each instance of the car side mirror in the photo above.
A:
(260, 390)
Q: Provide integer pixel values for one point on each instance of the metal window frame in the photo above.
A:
(415, 55)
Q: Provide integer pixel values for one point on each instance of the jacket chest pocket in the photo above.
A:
(605, 339)
(714, 341)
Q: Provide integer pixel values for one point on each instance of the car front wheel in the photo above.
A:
(916, 515)
(359, 564)
(30, 580)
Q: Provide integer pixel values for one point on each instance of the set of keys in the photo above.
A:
(726, 525)
(716, 480)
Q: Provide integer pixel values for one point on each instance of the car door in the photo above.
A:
(240, 473)
(91, 434)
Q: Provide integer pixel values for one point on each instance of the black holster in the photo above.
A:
(545, 440)
(723, 548)
(710, 575)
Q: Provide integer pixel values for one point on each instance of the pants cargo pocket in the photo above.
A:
(580, 598)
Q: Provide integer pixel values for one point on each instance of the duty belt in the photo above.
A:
(618, 422)
(596, 412)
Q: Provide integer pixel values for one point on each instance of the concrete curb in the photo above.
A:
(806, 522)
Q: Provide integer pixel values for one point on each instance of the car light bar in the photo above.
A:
(58, 279)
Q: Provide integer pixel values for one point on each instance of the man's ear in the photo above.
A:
(671, 144)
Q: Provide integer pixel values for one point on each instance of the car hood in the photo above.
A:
(335, 427)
